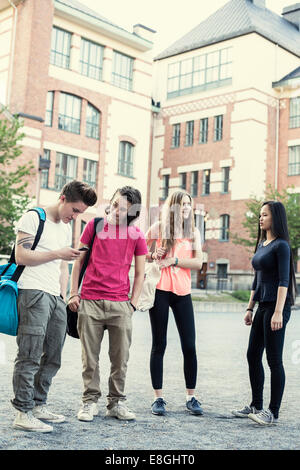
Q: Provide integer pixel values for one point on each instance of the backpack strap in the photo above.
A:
(98, 225)
(42, 218)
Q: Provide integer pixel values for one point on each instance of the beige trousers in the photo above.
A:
(94, 316)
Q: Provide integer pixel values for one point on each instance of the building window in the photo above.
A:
(225, 179)
(200, 73)
(294, 161)
(60, 48)
(82, 226)
(295, 112)
(122, 71)
(183, 180)
(203, 132)
(125, 165)
(49, 108)
(92, 122)
(165, 188)
(91, 59)
(194, 184)
(189, 133)
(65, 170)
(175, 135)
(69, 113)
(224, 231)
(45, 173)
(90, 172)
(218, 128)
(206, 182)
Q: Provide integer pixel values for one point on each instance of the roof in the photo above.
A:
(234, 19)
(287, 79)
(87, 11)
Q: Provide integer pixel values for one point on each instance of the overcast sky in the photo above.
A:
(171, 19)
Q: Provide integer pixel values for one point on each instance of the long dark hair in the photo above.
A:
(279, 229)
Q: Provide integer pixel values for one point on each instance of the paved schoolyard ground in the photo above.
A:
(222, 385)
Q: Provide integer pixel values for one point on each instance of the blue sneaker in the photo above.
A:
(194, 407)
(158, 407)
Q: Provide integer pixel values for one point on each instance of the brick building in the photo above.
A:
(225, 130)
(216, 113)
(83, 87)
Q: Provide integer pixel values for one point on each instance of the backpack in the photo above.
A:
(72, 317)
(9, 276)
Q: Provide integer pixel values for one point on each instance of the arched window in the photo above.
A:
(224, 228)
(125, 162)
(92, 122)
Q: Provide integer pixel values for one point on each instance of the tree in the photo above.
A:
(14, 199)
(291, 201)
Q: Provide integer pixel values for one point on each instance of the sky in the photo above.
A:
(171, 19)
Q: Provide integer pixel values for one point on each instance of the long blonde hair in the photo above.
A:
(172, 225)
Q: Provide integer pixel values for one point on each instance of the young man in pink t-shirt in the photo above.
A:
(104, 302)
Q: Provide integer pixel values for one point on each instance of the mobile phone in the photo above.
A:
(84, 248)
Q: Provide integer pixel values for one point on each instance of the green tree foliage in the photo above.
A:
(291, 201)
(13, 179)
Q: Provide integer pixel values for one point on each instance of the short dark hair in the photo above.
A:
(76, 191)
(134, 197)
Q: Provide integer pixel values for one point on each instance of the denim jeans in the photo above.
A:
(40, 339)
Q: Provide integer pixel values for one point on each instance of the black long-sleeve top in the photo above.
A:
(272, 269)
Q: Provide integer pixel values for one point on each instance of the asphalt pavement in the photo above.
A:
(223, 385)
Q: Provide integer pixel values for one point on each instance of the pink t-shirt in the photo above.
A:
(106, 276)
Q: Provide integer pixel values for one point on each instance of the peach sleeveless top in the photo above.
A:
(173, 278)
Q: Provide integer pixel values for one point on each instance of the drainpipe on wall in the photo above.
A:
(11, 65)
(276, 144)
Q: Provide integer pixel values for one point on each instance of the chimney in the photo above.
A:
(144, 32)
(292, 14)
(259, 3)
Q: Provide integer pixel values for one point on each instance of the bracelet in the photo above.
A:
(249, 309)
(133, 306)
(176, 262)
(72, 296)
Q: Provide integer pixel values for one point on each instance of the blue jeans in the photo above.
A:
(262, 337)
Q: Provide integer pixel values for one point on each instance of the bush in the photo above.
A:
(242, 295)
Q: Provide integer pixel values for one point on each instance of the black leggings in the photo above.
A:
(261, 336)
(182, 308)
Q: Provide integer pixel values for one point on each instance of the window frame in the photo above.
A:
(225, 179)
(218, 128)
(194, 183)
(92, 127)
(90, 163)
(44, 182)
(176, 130)
(49, 109)
(294, 160)
(224, 227)
(203, 131)
(294, 119)
(86, 46)
(58, 57)
(61, 179)
(117, 79)
(165, 186)
(189, 133)
(206, 182)
(64, 119)
(123, 161)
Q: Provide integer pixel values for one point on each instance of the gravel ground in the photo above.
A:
(222, 385)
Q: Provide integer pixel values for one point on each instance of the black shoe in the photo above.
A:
(158, 407)
(194, 407)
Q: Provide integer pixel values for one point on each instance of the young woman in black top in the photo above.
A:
(274, 288)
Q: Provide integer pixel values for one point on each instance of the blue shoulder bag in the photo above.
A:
(9, 276)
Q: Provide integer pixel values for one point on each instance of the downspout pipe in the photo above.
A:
(11, 65)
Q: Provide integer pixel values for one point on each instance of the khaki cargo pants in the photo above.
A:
(40, 339)
(94, 316)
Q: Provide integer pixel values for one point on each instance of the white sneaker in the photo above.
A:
(42, 412)
(244, 413)
(265, 417)
(120, 411)
(27, 422)
(88, 411)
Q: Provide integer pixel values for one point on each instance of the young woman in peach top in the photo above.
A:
(177, 251)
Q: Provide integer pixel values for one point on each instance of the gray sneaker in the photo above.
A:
(244, 413)
(265, 417)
